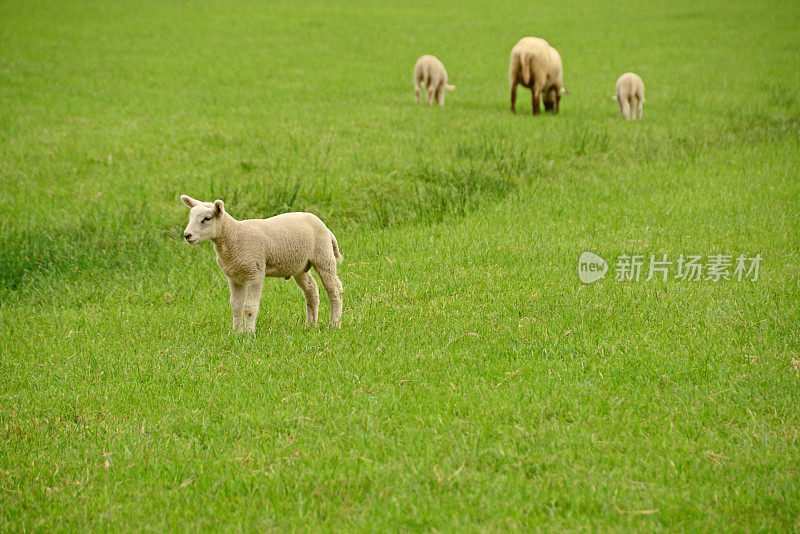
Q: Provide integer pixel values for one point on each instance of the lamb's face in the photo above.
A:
(205, 220)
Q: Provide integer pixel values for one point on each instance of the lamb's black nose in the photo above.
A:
(187, 236)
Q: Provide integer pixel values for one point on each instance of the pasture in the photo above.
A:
(475, 383)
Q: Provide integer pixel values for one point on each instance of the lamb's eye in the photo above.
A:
(206, 219)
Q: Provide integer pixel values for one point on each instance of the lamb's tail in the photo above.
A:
(336, 253)
(526, 69)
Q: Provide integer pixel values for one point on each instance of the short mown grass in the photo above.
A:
(475, 383)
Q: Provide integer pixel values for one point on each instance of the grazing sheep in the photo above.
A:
(430, 72)
(536, 65)
(630, 96)
(286, 245)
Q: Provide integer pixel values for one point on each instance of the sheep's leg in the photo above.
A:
(513, 96)
(237, 301)
(308, 285)
(626, 108)
(554, 98)
(639, 108)
(440, 95)
(430, 97)
(535, 100)
(416, 93)
(333, 287)
(548, 100)
(251, 304)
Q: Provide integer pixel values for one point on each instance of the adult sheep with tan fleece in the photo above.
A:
(430, 72)
(286, 245)
(630, 96)
(536, 65)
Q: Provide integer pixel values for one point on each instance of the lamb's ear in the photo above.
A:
(219, 207)
(189, 201)
(450, 87)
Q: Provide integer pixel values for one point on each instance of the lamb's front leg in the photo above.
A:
(251, 303)
(535, 100)
(237, 302)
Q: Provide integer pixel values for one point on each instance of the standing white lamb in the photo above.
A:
(286, 245)
(536, 65)
(430, 72)
(630, 96)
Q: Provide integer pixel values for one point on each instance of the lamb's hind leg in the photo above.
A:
(307, 283)
(333, 287)
(626, 108)
(513, 96)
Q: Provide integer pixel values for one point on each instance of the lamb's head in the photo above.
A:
(205, 219)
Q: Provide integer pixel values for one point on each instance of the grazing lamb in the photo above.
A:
(430, 72)
(536, 65)
(286, 245)
(630, 96)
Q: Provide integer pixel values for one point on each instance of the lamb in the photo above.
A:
(537, 65)
(286, 245)
(630, 96)
(430, 72)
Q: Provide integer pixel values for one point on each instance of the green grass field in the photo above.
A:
(476, 383)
